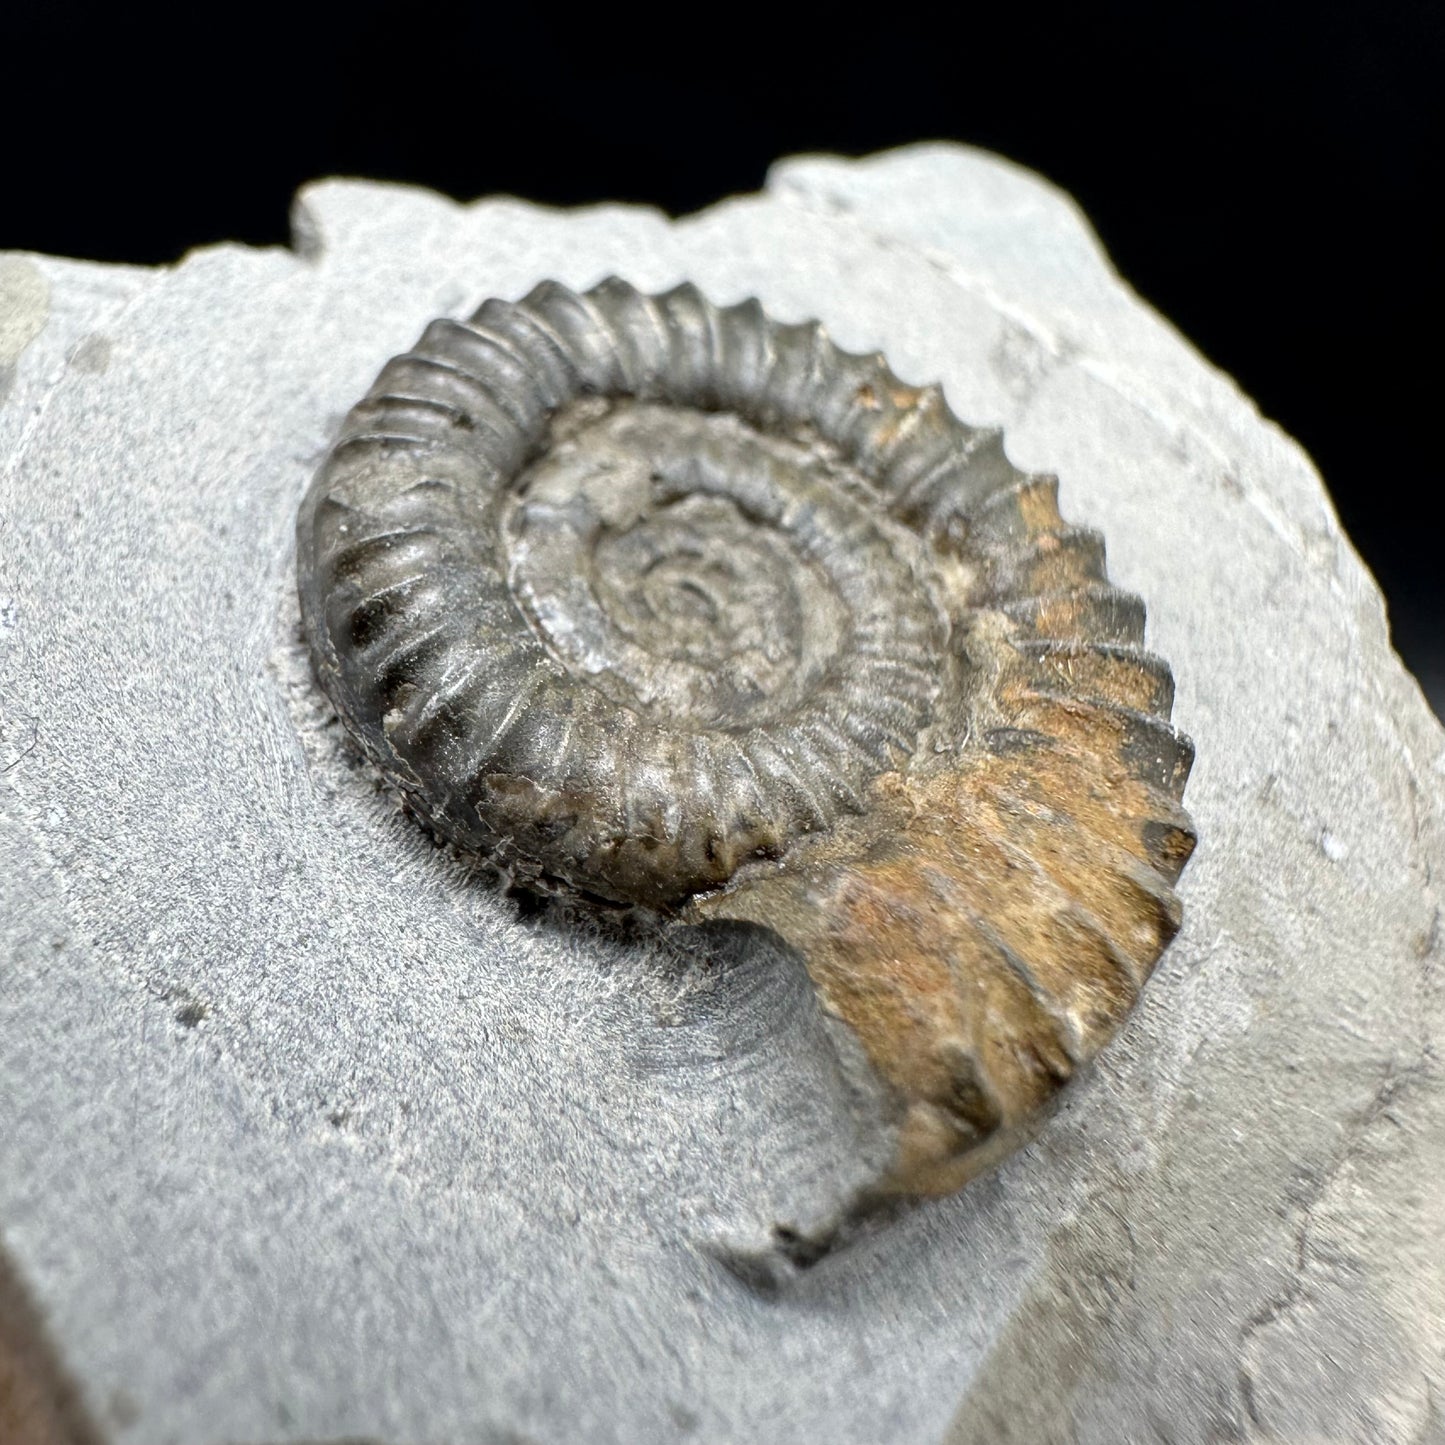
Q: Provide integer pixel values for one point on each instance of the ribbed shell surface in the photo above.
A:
(660, 601)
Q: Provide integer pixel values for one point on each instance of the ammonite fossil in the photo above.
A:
(670, 604)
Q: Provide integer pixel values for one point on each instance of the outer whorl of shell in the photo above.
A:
(675, 605)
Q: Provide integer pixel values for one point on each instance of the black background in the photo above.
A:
(1264, 174)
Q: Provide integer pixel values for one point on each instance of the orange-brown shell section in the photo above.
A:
(988, 922)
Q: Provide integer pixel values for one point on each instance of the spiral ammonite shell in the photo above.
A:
(671, 604)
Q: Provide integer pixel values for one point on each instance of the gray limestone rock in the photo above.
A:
(305, 1133)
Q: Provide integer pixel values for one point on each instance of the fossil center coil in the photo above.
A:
(703, 573)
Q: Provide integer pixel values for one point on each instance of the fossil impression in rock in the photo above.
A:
(670, 604)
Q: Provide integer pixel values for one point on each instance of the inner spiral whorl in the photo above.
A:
(692, 568)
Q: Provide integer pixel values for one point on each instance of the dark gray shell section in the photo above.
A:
(626, 590)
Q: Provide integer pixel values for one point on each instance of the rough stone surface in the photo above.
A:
(305, 1134)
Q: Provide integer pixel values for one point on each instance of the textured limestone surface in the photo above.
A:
(306, 1134)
